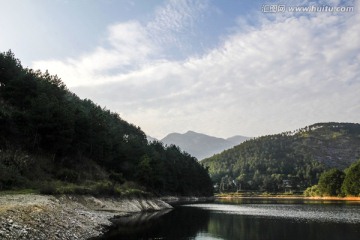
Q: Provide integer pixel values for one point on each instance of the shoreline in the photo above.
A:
(57, 217)
(34, 216)
(294, 197)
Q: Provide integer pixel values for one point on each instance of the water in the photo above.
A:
(245, 219)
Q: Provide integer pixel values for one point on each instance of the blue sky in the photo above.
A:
(217, 67)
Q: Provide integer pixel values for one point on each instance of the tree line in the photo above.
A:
(335, 182)
(47, 132)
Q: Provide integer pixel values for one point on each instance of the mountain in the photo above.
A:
(300, 156)
(150, 139)
(201, 145)
(237, 139)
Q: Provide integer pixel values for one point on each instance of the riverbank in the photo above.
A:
(33, 216)
(284, 196)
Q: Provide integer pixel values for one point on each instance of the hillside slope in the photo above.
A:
(50, 135)
(201, 145)
(299, 156)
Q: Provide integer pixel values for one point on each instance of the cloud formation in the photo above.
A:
(277, 75)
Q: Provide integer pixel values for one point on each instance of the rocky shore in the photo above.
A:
(31, 216)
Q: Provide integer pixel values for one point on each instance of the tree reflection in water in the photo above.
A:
(194, 222)
(179, 223)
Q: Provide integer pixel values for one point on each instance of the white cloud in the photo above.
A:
(280, 75)
(176, 22)
(130, 45)
(131, 40)
(129, 48)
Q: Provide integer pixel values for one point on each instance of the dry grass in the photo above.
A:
(283, 196)
(335, 198)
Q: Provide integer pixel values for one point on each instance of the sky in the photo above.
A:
(223, 68)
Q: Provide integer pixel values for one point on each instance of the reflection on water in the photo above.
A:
(319, 213)
(177, 224)
(245, 219)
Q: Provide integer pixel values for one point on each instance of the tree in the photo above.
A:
(330, 182)
(351, 184)
(145, 171)
(10, 68)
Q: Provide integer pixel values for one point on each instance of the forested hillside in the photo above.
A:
(48, 134)
(291, 159)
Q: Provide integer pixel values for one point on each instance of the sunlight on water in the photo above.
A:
(206, 236)
(293, 211)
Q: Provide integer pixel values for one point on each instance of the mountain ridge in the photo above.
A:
(201, 145)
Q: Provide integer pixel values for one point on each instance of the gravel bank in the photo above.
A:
(32, 216)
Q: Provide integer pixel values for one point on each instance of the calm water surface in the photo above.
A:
(245, 219)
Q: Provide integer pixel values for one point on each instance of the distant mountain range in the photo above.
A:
(201, 145)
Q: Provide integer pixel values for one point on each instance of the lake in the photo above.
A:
(245, 219)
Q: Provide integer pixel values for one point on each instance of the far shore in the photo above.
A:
(300, 197)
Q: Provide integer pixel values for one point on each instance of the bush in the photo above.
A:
(48, 188)
(312, 191)
(81, 190)
(104, 188)
(67, 175)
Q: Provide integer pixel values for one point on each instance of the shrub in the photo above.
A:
(104, 188)
(312, 191)
(68, 175)
(48, 188)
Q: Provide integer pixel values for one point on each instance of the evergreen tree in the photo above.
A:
(330, 182)
(351, 184)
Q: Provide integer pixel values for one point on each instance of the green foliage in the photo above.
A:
(100, 188)
(19, 191)
(337, 183)
(351, 185)
(105, 188)
(296, 158)
(15, 168)
(48, 188)
(312, 191)
(57, 136)
(145, 172)
(116, 177)
(67, 175)
(330, 182)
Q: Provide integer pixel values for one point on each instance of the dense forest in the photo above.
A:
(287, 161)
(48, 134)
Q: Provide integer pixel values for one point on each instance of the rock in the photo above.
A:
(65, 217)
